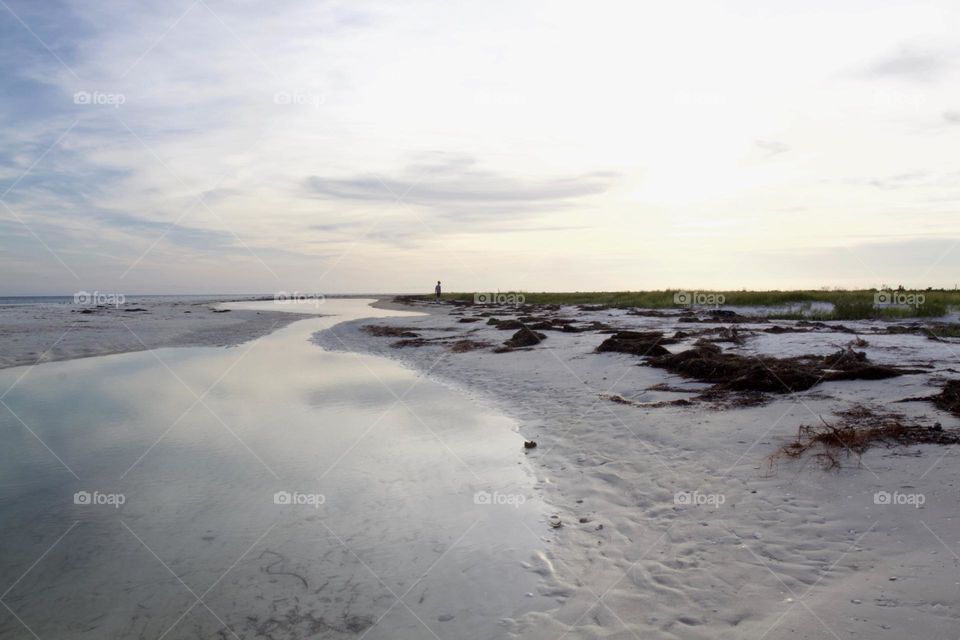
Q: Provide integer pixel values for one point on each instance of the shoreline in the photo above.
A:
(34, 333)
(776, 532)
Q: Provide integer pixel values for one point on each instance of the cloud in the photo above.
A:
(912, 64)
(771, 148)
(916, 179)
(900, 180)
(951, 117)
(327, 228)
(453, 183)
(148, 230)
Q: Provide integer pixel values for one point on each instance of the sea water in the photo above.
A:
(273, 489)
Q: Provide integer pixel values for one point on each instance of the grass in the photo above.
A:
(942, 331)
(846, 304)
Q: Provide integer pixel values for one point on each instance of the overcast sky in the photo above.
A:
(207, 146)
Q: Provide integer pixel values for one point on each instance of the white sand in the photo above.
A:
(792, 552)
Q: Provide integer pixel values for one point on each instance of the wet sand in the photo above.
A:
(48, 332)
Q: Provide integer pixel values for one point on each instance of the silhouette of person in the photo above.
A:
(436, 290)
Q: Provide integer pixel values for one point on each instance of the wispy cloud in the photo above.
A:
(901, 180)
(455, 183)
(915, 64)
(771, 148)
(916, 180)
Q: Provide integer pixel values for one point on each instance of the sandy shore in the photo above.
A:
(676, 523)
(32, 333)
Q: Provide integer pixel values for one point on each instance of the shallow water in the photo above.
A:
(387, 540)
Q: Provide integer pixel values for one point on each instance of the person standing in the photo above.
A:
(436, 290)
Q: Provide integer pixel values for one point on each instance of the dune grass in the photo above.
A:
(788, 305)
(942, 331)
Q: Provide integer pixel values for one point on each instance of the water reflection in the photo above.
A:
(198, 441)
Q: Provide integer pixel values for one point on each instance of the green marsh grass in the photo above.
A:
(798, 305)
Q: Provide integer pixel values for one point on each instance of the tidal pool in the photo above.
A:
(270, 490)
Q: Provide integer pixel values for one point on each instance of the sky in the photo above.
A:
(208, 146)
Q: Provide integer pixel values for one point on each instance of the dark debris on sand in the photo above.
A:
(523, 338)
(724, 334)
(410, 342)
(733, 372)
(544, 323)
(719, 315)
(505, 325)
(618, 399)
(384, 331)
(858, 429)
(949, 398)
(638, 343)
(463, 346)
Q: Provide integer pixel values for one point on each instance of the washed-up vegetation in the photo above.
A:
(523, 338)
(463, 346)
(949, 398)
(732, 372)
(857, 429)
(938, 331)
(386, 331)
(638, 343)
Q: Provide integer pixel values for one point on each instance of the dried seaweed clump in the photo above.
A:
(856, 430)
(734, 372)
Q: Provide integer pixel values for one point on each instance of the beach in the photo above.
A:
(677, 522)
(640, 506)
(481, 321)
